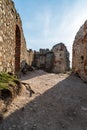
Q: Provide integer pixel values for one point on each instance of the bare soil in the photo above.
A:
(59, 103)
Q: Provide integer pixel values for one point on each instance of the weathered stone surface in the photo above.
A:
(36, 60)
(55, 60)
(79, 63)
(49, 61)
(30, 56)
(12, 42)
(61, 58)
(43, 59)
(1, 40)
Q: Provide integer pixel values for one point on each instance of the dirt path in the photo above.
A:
(59, 103)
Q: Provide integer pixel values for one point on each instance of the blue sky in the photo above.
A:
(48, 22)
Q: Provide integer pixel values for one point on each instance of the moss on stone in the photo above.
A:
(7, 79)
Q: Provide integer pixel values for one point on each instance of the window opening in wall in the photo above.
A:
(82, 58)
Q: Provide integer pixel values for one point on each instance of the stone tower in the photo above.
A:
(61, 58)
(12, 42)
(79, 62)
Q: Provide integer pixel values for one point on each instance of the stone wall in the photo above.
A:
(43, 59)
(30, 56)
(36, 62)
(12, 42)
(40, 58)
(61, 58)
(49, 61)
(79, 63)
(55, 60)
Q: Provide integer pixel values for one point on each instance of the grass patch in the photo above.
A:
(6, 79)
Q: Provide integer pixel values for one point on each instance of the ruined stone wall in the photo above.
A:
(55, 60)
(36, 62)
(40, 58)
(61, 58)
(12, 42)
(49, 61)
(79, 63)
(30, 56)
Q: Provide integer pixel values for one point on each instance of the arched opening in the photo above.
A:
(17, 49)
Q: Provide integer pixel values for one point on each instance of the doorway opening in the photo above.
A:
(17, 49)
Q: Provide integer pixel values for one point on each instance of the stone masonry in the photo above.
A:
(55, 60)
(79, 63)
(30, 53)
(43, 59)
(13, 49)
(49, 61)
(61, 58)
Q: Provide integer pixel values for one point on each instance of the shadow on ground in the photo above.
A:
(63, 107)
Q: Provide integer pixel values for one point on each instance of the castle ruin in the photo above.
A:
(13, 50)
(55, 60)
(61, 58)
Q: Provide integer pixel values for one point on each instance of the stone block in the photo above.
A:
(1, 39)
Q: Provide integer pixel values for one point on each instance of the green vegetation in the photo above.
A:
(7, 79)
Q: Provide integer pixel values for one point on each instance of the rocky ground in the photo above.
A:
(59, 103)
